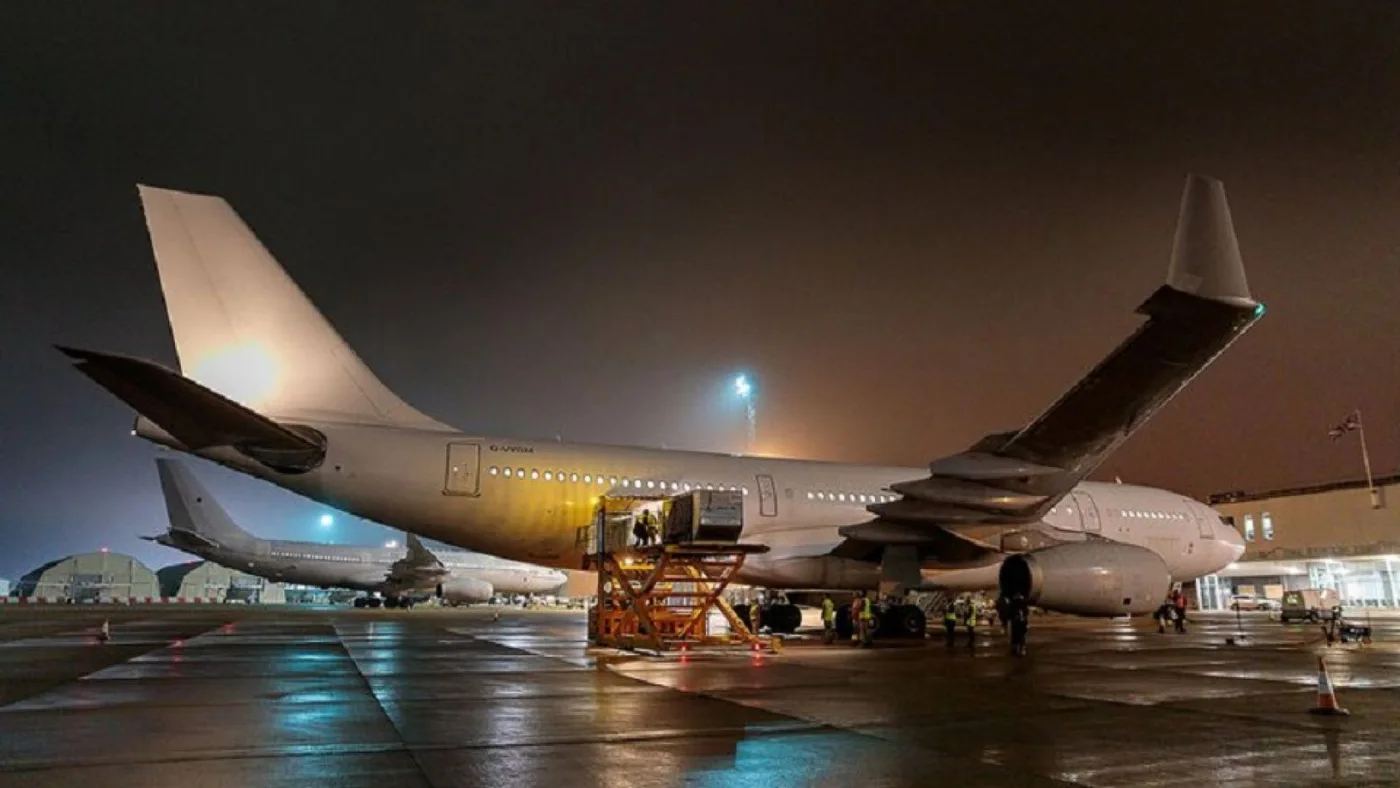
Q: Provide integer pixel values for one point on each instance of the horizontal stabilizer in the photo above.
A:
(192, 414)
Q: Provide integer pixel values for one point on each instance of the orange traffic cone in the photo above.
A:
(1326, 695)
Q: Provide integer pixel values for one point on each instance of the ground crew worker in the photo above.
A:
(653, 529)
(1179, 601)
(867, 621)
(855, 617)
(1020, 622)
(639, 529)
(950, 623)
(828, 620)
(1003, 607)
(755, 612)
(970, 621)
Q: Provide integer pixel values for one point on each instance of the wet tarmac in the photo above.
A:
(229, 696)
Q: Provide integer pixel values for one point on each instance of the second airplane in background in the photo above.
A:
(199, 526)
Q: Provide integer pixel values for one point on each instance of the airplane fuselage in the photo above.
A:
(362, 568)
(535, 501)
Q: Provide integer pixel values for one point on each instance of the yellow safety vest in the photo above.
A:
(865, 613)
(828, 610)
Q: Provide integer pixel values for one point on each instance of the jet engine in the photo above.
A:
(1096, 578)
(465, 591)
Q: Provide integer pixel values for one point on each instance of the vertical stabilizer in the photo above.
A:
(193, 510)
(243, 328)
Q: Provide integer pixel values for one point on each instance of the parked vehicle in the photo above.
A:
(1308, 604)
(1251, 602)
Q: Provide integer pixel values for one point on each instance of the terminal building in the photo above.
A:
(91, 577)
(1342, 536)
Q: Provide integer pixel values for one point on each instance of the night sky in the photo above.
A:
(913, 226)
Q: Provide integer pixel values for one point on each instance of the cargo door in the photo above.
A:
(1088, 512)
(463, 469)
(767, 496)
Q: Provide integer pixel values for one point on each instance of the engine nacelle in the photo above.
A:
(465, 591)
(1089, 578)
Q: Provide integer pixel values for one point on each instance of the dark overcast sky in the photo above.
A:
(915, 225)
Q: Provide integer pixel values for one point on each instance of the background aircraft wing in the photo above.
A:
(419, 566)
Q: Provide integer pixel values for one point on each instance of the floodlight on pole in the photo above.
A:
(744, 389)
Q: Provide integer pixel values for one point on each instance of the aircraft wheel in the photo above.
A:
(359, 603)
(373, 603)
(904, 621)
(784, 619)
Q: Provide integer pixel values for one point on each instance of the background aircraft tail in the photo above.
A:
(193, 510)
(243, 328)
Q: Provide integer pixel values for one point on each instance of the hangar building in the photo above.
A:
(95, 577)
(208, 582)
(1339, 536)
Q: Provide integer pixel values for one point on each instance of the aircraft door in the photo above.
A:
(1088, 512)
(767, 496)
(463, 473)
(1203, 516)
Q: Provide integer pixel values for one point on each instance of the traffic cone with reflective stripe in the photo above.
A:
(1326, 695)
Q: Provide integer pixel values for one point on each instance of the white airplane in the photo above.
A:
(201, 527)
(267, 387)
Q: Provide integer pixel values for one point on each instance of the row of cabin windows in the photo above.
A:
(1134, 514)
(1152, 515)
(1264, 520)
(848, 497)
(535, 474)
(349, 559)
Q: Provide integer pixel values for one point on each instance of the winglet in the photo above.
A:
(1206, 258)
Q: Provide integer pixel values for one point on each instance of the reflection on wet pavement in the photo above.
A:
(267, 696)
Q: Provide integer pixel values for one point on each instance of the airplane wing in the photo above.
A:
(419, 567)
(1013, 478)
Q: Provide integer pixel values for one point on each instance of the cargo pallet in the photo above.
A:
(660, 597)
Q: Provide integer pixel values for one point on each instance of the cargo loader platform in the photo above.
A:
(658, 595)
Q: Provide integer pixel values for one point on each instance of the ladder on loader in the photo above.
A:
(660, 596)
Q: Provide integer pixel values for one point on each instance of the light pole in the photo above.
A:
(744, 390)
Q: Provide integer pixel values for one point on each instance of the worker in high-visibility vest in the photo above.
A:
(755, 611)
(828, 620)
(950, 622)
(970, 614)
(867, 620)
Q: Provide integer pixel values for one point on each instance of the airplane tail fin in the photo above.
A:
(192, 510)
(243, 328)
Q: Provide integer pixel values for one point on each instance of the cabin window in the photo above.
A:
(573, 477)
(1268, 523)
(520, 473)
(493, 470)
(1249, 528)
(548, 476)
